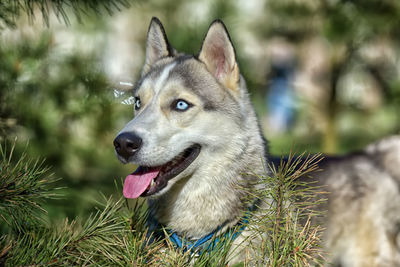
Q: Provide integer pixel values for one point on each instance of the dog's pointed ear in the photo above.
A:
(157, 45)
(218, 54)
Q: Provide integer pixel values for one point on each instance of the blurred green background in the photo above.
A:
(335, 62)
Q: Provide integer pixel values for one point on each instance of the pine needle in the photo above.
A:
(10, 10)
(24, 184)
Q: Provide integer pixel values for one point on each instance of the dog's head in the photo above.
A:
(186, 108)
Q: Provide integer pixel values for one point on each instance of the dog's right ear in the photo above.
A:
(157, 45)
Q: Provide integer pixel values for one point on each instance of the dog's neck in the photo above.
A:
(215, 194)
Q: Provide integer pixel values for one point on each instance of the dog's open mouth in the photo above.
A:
(146, 181)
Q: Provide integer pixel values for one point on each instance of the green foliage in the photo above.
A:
(62, 104)
(289, 214)
(339, 21)
(116, 235)
(23, 187)
(11, 10)
(353, 33)
(113, 235)
(104, 239)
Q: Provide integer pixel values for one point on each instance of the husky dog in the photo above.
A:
(195, 136)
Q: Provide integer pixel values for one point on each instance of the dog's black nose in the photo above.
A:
(126, 144)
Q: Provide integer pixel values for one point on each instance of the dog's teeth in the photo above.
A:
(152, 183)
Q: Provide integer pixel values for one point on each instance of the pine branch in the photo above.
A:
(105, 239)
(289, 206)
(24, 185)
(11, 10)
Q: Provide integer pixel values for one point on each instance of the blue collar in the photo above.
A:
(211, 241)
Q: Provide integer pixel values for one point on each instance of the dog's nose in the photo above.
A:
(126, 144)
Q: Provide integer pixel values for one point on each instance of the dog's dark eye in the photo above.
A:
(181, 105)
(137, 103)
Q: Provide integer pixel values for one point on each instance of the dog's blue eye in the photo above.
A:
(137, 103)
(181, 105)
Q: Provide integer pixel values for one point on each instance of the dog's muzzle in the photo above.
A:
(127, 144)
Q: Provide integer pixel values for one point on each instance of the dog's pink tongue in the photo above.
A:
(136, 183)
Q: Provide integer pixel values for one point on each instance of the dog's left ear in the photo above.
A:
(157, 45)
(218, 55)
